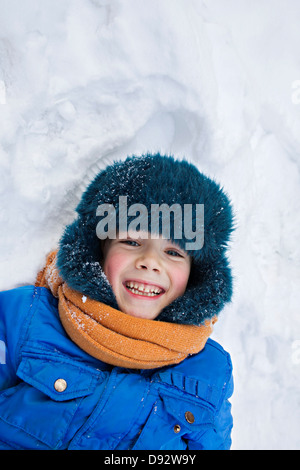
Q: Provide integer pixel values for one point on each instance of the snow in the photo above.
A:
(83, 82)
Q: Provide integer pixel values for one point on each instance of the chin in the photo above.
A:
(142, 314)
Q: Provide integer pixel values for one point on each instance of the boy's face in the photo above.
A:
(146, 275)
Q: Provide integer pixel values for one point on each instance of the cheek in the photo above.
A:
(113, 266)
(180, 279)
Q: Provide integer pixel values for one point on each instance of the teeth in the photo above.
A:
(143, 289)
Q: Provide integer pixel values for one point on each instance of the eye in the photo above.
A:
(129, 242)
(174, 253)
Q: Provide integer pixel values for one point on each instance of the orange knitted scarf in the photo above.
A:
(115, 337)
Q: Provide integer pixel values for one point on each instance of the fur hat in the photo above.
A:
(147, 180)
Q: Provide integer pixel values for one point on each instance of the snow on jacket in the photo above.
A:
(55, 396)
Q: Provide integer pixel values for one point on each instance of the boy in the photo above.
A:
(110, 349)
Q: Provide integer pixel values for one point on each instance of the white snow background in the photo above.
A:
(83, 82)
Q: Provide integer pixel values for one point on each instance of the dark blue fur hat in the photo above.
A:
(154, 179)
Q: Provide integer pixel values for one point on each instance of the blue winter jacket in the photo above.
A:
(98, 406)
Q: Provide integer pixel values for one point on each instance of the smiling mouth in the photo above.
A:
(145, 290)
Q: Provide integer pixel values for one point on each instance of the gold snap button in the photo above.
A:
(177, 428)
(189, 417)
(60, 385)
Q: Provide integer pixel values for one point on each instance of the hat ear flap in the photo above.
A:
(79, 261)
(208, 290)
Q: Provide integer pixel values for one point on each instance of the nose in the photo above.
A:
(149, 260)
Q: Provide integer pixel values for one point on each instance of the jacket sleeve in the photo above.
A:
(217, 437)
(14, 306)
